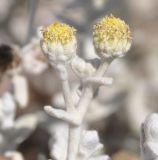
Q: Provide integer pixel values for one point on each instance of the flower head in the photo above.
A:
(59, 42)
(58, 33)
(112, 37)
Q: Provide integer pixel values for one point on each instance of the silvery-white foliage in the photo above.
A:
(7, 111)
(12, 136)
(149, 138)
(90, 146)
(60, 136)
(13, 132)
(20, 90)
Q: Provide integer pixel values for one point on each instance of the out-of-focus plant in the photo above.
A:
(149, 138)
(112, 39)
(13, 131)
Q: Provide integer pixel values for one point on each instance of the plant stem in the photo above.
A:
(66, 88)
(74, 142)
(82, 107)
(74, 132)
(67, 96)
(90, 90)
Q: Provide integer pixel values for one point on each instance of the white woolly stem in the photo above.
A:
(75, 132)
(75, 115)
(89, 90)
(99, 80)
(61, 114)
(149, 138)
(66, 88)
(74, 142)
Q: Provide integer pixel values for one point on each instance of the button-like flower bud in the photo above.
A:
(58, 42)
(112, 37)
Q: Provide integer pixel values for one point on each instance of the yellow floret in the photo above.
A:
(58, 33)
(110, 28)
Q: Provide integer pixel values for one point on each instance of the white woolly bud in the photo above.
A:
(58, 42)
(81, 68)
(111, 37)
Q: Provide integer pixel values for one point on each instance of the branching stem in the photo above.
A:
(74, 115)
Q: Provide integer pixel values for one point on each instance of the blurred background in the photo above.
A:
(122, 107)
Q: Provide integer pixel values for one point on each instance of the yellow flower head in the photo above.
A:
(58, 33)
(58, 42)
(112, 37)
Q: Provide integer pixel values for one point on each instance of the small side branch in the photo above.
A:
(63, 115)
(99, 80)
(90, 89)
